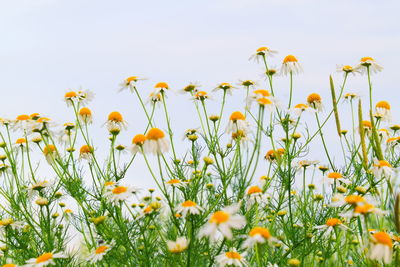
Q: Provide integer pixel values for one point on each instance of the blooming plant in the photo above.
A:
(244, 192)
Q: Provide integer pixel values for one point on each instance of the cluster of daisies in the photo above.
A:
(210, 209)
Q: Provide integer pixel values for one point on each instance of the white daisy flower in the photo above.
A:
(261, 53)
(383, 108)
(222, 222)
(115, 122)
(330, 225)
(290, 65)
(156, 142)
(44, 259)
(368, 63)
(129, 83)
(381, 247)
(189, 207)
(226, 87)
(382, 168)
(118, 193)
(258, 235)
(232, 258)
(315, 101)
(98, 253)
(180, 245)
(298, 109)
(331, 177)
(237, 122)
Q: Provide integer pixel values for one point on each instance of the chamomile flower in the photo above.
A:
(383, 108)
(115, 122)
(137, 143)
(381, 247)
(22, 122)
(189, 207)
(161, 87)
(99, 252)
(349, 97)
(86, 152)
(178, 246)
(339, 200)
(221, 223)
(330, 225)
(156, 142)
(331, 177)
(368, 63)
(247, 83)
(85, 96)
(382, 168)
(290, 65)
(258, 235)
(191, 88)
(130, 83)
(119, 193)
(272, 155)
(298, 109)
(232, 258)
(50, 152)
(154, 99)
(255, 195)
(45, 259)
(237, 122)
(346, 69)
(226, 87)
(201, 95)
(363, 209)
(261, 53)
(71, 97)
(176, 183)
(20, 143)
(85, 115)
(315, 101)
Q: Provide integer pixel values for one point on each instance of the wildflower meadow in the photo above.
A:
(246, 191)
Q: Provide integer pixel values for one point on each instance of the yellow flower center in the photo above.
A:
(132, 79)
(301, 106)
(86, 149)
(225, 85)
(101, 249)
(85, 112)
(364, 209)
(365, 59)
(383, 238)
(174, 181)
(333, 222)
(314, 98)
(335, 175)
(263, 49)
(139, 139)
(353, 199)
(289, 58)
(49, 149)
(347, 68)
(254, 189)
(201, 95)
(264, 93)
(264, 101)
(260, 231)
(109, 183)
(383, 104)
(20, 141)
(162, 85)
(382, 163)
(6, 222)
(155, 134)
(188, 203)
(219, 217)
(119, 190)
(44, 257)
(23, 117)
(9, 265)
(115, 116)
(70, 94)
(367, 124)
(237, 115)
(233, 255)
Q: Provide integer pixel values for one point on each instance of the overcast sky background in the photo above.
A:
(49, 47)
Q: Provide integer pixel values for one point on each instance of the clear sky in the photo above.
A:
(49, 46)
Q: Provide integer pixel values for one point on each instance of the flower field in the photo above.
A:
(246, 190)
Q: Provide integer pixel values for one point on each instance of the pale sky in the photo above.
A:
(49, 46)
